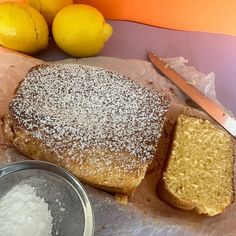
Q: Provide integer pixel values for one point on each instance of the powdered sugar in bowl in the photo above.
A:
(62, 205)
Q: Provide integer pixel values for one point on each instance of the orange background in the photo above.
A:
(217, 16)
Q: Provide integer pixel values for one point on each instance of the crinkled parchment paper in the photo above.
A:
(145, 214)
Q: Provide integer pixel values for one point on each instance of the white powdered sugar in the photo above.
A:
(23, 213)
(71, 107)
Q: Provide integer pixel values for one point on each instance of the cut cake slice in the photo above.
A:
(199, 173)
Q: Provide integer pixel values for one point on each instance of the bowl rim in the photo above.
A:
(64, 174)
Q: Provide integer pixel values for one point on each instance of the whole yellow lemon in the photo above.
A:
(22, 28)
(80, 30)
(49, 8)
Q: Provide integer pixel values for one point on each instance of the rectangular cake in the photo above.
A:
(100, 125)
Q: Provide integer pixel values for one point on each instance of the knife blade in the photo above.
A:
(215, 111)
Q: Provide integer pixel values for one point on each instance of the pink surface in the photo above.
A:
(207, 52)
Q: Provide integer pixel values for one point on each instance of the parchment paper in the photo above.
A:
(145, 214)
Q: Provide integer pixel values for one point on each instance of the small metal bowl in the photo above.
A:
(69, 204)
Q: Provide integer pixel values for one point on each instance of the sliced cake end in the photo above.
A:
(199, 173)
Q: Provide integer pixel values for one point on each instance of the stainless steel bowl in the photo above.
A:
(69, 204)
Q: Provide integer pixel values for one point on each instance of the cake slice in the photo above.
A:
(100, 125)
(199, 172)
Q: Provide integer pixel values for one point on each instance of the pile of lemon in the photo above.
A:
(79, 30)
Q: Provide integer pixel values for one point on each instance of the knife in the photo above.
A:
(215, 111)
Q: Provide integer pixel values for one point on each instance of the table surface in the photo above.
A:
(206, 51)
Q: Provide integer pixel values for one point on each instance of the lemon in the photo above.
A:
(22, 28)
(49, 8)
(80, 30)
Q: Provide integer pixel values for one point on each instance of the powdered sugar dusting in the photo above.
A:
(71, 107)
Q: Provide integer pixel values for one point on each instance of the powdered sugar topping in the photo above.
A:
(71, 107)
